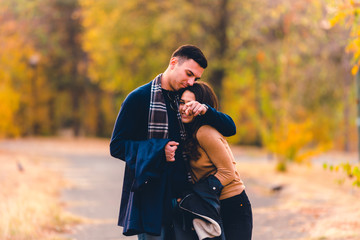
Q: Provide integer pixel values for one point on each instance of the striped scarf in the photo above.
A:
(158, 124)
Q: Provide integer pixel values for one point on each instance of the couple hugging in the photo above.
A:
(180, 180)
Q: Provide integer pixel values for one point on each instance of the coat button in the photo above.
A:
(146, 182)
(214, 188)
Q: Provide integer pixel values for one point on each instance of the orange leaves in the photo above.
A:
(260, 56)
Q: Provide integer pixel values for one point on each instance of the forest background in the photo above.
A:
(281, 69)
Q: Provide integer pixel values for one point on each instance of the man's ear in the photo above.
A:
(173, 62)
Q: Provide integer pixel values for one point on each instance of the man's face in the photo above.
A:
(184, 73)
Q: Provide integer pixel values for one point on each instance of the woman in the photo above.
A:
(210, 154)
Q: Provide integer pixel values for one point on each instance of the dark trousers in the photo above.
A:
(237, 217)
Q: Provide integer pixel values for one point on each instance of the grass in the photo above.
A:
(313, 204)
(30, 207)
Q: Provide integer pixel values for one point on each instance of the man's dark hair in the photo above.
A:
(191, 52)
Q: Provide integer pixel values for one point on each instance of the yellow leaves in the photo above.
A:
(355, 3)
(15, 75)
(9, 104)
(338, 18)
(347, 15)
(293, 141)
(352, 171)
(354, 70)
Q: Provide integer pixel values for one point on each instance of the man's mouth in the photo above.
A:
(184, 85)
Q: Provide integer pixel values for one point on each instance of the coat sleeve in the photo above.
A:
(220, 121)
(218, 152)
(129, 141)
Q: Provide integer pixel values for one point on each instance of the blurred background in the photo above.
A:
(285, 71)
(280, 68)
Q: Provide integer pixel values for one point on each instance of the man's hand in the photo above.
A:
(196, 108)
(170, 149)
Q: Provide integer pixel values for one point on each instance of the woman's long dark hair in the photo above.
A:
(205, 95)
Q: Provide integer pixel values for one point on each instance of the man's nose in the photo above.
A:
(191, 81)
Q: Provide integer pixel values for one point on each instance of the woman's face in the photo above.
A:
(186, 97)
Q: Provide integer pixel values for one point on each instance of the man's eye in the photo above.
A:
(181, 102)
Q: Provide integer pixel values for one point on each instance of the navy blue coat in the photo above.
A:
(149, 181)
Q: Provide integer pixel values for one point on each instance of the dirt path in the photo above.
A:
(308, 205)
(94, 178)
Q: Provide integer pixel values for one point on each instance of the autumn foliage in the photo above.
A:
(279, 67)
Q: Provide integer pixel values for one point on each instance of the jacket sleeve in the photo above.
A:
(220, 121)
(129, 132)
(129, 141)
(219, 153)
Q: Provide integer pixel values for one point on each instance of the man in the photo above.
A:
(148, 136)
